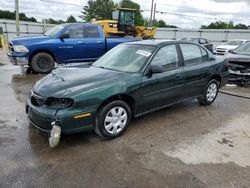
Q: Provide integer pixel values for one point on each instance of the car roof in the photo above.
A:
(159, 42)
(86, 24)
(238, 40)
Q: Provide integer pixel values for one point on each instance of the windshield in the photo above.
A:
(51, 32)
(243, 50)
(127, 18)
(125, 58)
(234, 42)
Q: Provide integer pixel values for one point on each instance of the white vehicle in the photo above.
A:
(230, 45)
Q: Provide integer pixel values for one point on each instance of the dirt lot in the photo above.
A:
(186, 145)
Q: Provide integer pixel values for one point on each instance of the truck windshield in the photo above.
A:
(51, 32)
(125, 58)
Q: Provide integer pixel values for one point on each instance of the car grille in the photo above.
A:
(37, 100)
(221, 51)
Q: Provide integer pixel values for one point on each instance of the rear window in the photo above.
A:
(191, 54)
(91, 32)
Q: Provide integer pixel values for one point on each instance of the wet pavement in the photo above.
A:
(186, 145)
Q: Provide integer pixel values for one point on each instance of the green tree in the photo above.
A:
(12, 16)
(138, 16)
(52, 21)
(162, 23)
(224, 25)
(71, 19)
(98, 9)
(240, 26)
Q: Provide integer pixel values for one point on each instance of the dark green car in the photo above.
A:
(130, 80)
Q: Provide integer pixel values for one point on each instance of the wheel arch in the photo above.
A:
(124, 97)
(40, 51)
(216, 77)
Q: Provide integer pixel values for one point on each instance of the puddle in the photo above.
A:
(231, 143)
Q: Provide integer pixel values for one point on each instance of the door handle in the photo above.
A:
(178, 76)
(99, 42)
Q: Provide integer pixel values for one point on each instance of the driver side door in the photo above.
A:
(73, 48)
(162, 89)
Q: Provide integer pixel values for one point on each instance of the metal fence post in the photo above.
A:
(226, 35)
(44, 26)
(6, 30)
(200, 31)
(175, 34)
(27, 29)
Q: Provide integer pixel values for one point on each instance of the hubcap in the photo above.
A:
(115, 120)
(44, 63)
(211, 92)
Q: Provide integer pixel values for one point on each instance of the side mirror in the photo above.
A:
(154, 69)
(64, 36)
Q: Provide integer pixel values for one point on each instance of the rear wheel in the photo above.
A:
(210, 93)
(42, 63)
(113, 119)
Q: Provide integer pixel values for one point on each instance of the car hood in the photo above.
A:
(238, 58)
(228, 47)
(29, 39)
(70, 81)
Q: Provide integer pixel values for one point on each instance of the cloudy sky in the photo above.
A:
(183, 13)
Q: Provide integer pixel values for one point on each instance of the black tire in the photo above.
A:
(42, 63)
(205, 99)
(104, 112)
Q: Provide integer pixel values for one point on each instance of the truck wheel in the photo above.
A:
(210, 93)
(113, 119)
(42, 63)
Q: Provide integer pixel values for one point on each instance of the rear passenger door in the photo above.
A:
(196, 69)
(164, 88)
(95, 42)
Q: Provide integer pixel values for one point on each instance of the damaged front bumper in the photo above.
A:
(18, 58)
(42, 118)
(239, 73)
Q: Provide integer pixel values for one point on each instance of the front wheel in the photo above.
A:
(210, 93)
(42, 63)
(113, 119)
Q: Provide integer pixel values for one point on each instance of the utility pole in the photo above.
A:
(151, 14)
(17, 18)
(154, 13)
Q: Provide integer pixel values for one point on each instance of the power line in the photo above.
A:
(57, 2)
(195, 11)
(185, 15)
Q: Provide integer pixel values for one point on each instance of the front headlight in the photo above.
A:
(52, 102)
(20, 48)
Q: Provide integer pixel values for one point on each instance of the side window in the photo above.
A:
(191, 54)
(167, 56)
(203, 41)
(204, 55)
(75, 32)
(196, 40)
(91, 32)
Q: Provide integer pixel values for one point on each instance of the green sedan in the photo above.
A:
(128, 81)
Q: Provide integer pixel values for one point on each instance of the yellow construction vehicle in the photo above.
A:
(123, 25)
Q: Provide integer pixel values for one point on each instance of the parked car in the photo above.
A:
(130, 80)
(239, 65)
(230, 45)
(64, 43)
(202, 41)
